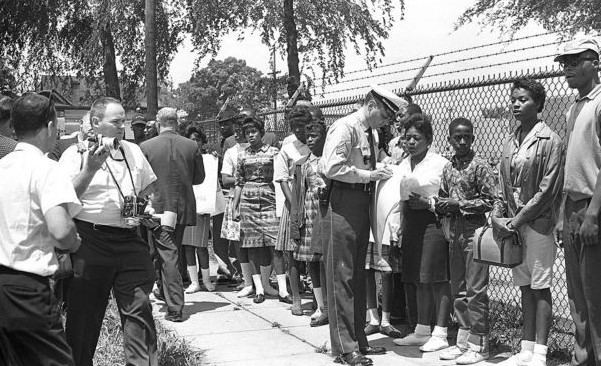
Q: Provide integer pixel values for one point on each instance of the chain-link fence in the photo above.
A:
(485, 101)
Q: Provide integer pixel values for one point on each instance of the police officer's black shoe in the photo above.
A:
(369, 350)
(354, 358)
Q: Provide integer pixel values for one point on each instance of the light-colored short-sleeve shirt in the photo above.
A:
(31, 184)
(230, 159)
(425, 178)
(346, 153)
(285, 162)
(102, 202)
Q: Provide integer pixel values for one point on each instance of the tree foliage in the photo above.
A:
(325, 28)
(66, 36)
(208, 88)
(563, 16)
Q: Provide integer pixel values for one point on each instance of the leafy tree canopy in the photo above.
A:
(68, 36)
(325, 27)
(208, 88)
(565, 17)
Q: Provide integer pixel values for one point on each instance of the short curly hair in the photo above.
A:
(299, 115)
(250, 122)
(422, 124)
(534, 88)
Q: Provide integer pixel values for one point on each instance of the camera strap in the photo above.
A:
(128, 170)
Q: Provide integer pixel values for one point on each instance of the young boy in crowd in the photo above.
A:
(466, 195)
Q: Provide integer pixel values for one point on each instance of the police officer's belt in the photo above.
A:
(354, 186)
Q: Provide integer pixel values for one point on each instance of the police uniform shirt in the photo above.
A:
(31, 184)
(346, 153)
(102, 201)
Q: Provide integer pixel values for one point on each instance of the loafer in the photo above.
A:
(390, 331)
(354, 358)
(321, 320)
(174, 316)
(158, 295)
(259, 298)
(370, 350)
(371, 329)
(285, 299)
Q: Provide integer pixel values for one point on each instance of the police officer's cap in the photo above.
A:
(392, 101)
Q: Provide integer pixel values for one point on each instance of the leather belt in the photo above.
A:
(365, 187)
(106, 228)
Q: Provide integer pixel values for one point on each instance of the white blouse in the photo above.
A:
(425, 177)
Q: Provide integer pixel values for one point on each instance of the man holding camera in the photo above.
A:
(111, 176)
(178, 165)
(36, 207)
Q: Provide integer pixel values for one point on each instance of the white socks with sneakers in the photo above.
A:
(385, 319)
(525, 354)
(539, 354)
(440, 332)
(374, 318)
(282, 289)
(422, 330)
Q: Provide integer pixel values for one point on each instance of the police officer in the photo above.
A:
(349, 161)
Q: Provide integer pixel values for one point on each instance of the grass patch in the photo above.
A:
(172, 350)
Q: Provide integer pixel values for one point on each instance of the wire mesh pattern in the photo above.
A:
(484, 100)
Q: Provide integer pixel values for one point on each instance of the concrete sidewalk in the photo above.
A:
(233, 331)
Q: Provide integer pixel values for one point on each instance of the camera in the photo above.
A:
(133, 206)
(108, 143)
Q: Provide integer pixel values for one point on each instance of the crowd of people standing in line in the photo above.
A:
(352, 205)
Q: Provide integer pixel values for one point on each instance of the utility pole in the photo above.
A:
(152, 103)
(274, 73)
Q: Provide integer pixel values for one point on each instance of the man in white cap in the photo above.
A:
(582, 196)
(349, 161)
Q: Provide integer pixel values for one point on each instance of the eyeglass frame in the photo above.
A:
(563, 63)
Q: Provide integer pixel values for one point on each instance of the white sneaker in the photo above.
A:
(451, 353)
(470, 357)
(316, 314)
(194, 287)
(247, 291)
(412, 340)
(208, 285)
(435, 344)
(514, 360)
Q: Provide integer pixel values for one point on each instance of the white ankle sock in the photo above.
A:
(526, 351)
(193, 273)
(258, 284)
(539, 353)
(385, 319)
(440, 332)
(374, 319)
(318, 297)
(282, 285)
(422, 330)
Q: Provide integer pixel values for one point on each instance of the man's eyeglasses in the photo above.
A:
(573, 62)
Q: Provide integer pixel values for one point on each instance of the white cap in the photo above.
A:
(388, 98)
(578, 46)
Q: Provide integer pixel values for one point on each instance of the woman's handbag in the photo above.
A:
(502, 252)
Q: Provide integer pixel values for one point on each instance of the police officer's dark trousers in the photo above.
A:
(346, 235)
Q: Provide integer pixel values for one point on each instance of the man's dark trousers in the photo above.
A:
(583, 271)
(346, 229)
(31, 331)
(119, 259)
(167, 246)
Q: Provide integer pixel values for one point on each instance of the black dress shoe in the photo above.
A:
(285, 299)
(354, 358)
(174, 316)
(369, 350)
(158, 295)
(259, 298)
(321, 320)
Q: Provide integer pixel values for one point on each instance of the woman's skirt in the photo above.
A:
(284, 242)
(258, 221)
(305, 251)
(425, 251)
(198, 236)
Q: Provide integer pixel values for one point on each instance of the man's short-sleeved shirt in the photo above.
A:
(31, 184)
(346, 153)
(102, 202)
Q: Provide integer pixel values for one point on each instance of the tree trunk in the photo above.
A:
(151, 60)
(291, 47)
(111, 78)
